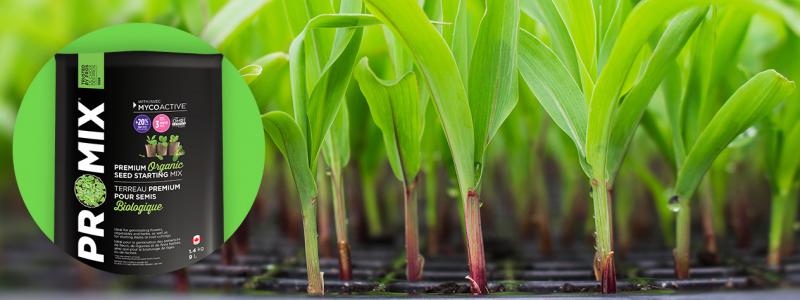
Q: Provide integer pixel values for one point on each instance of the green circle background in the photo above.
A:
(242, 133)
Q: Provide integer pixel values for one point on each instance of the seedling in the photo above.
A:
(470, 114)
(300, 139)
(336, 151)
(399, 111)
(588, 107)
(782, 162)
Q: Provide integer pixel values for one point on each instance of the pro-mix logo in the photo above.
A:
(90, 190)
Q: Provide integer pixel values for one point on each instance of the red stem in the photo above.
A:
(414, 260)
(477, 261)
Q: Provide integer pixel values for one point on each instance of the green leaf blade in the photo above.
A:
(751, 102)
(314, 111)
(493, 71)
(395, 108)
(554, 87)
(336, 149)
(642, 22)
(290, 142)
(547, 14)
(438, 67)
(633, 107)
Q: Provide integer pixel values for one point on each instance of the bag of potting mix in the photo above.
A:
(138, 164)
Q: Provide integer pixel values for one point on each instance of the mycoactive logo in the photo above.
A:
(89, 189)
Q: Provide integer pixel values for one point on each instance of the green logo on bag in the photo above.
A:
(90, 190)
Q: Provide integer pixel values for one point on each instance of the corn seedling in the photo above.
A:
(399, 111)
(300, 138)
(750, 103)
(587, 106)
(470, 114)
(702, 126)
(336, 151)
(782, 162)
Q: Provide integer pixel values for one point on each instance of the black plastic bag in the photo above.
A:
(138, 166)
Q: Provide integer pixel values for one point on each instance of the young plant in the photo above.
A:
(750, 103)
(782, 167)
(601, 112)
(782, 161)
(471, 114)
(336, 151)
(162, 148)
(399, 111)
(317, 95)
(703, 124)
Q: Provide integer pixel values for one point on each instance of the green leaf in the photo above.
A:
(673, 89)
(546, 13)
(461, 42)
(609, 28)
(493, 72)
(579, 17)
(336, 149)
(438, 67)
(402, 62)
(396, 109)
(695, 104)
(557, 92)
(315, 110)
(635, 103)
(270, 62)
(643, 21)
(751, 102)
(230, 19)
(290, 141)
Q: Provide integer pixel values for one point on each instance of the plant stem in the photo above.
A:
(604, 267)
(414, 260)
(683, 232)
(368, 188)
(776, 231)
(324, 216)
(477, 262)
(315, 284)
(340, 219)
